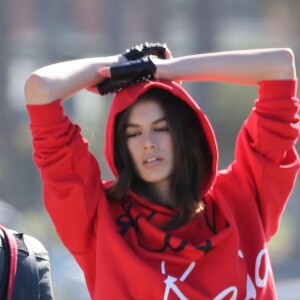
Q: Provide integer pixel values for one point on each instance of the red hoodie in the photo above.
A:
(220, 254)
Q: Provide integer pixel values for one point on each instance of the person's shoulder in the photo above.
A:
(35, 245)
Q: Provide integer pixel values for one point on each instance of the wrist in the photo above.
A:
(120, 59)
(165, 69)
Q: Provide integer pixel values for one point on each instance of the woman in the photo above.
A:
(170, 226)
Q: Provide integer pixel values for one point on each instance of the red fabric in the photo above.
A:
(220, 254)
(13, 257)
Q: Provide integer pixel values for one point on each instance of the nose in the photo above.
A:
(149, 145)
(149, 142)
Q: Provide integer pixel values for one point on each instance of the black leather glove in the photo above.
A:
(126, 74)
(130, 72)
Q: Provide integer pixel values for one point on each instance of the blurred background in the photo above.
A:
(37, 33)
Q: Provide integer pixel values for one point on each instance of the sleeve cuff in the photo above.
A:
(46, 114)
(275, 89)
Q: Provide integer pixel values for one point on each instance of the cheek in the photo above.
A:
(133, 147)
(134, 155)
(170, 147)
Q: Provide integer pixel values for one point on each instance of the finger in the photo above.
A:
(168, 54)
(93, 89)
(105, 72)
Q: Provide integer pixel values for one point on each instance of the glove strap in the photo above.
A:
(127, 74)
(140, 69)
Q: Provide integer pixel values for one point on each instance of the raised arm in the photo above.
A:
(62, 80)
(241, 67)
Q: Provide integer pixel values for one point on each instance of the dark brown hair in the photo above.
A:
(192, 157)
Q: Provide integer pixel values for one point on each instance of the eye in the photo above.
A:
(132, 134)
(163, 128)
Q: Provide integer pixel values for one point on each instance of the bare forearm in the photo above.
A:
(242, 67)
(61, 80)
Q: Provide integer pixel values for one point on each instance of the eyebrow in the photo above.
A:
(154, 122)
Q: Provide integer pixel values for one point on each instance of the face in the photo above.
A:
(150, 144)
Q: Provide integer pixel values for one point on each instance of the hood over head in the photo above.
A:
(129, 95)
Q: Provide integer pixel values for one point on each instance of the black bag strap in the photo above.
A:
(13, 256)
(4, 265)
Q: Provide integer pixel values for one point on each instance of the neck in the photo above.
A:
(162, 195)
(157, 193)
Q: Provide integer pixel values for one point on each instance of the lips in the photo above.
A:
(152, 161)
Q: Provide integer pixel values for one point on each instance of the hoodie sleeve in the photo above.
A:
(266, 161)
(70, 174)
